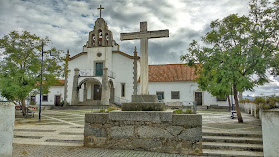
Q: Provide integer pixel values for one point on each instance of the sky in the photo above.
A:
(67, 23)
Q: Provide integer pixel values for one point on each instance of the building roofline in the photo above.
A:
(124, 54)
(77, 55)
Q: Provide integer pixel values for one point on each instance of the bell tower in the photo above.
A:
(100, 36)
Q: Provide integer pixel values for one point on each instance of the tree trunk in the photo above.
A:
(23, 107)
(239, 117)
(229, 100)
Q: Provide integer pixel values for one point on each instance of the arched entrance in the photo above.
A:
(92, 89)
(111, 86)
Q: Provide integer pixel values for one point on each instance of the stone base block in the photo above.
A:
(144, 98)
(150, 131)
(151, 116)
(143, 106)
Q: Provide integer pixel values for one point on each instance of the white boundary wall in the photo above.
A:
(7, 118)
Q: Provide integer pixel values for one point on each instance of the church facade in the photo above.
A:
(102, 74)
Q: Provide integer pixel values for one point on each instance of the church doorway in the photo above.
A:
(198, 98)
(57, 100)
(91, 91)
(97, 92)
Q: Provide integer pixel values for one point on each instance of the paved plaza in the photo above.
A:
(60, 133)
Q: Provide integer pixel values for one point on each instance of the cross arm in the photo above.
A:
(142, 35)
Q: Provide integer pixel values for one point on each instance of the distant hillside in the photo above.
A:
(249, 97)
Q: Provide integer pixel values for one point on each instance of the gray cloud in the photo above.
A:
(67, 22)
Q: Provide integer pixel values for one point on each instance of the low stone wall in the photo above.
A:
(7, 118)
(160, 131)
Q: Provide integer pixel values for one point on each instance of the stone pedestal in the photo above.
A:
(75, 98)
(144, 98)
(157, 131)
(144, 103)
(7, 118)
(105, 88)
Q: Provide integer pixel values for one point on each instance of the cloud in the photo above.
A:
(67, 22)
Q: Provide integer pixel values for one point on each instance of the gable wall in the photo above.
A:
(123, 70)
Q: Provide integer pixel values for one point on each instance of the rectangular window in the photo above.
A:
(160, 95)
(99, 69)
(45, 98)
(122, 89)
(175, 95)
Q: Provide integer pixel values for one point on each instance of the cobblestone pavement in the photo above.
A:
(60, 133)
(220, 121)
(66, 151)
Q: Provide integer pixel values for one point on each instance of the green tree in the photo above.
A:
(238, 51)
(21, 66)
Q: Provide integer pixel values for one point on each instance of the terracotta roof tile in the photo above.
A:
(171, 73)
(61, 83)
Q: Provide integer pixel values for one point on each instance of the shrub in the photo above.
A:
(61, 103)
(102, 110)
(259, 101)
(188, 111)
(111, 109)
(269, 103)
(33, 103)
(178, 111)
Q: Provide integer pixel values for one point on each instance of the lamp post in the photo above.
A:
(41, 85)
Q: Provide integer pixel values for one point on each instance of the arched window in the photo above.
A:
(100, 37)
(93, 39)
(107, 39)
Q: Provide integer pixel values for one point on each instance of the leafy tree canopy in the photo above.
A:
(238, 51)
(20, 68)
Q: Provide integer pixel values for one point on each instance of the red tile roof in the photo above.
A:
(171, 73)
(61, 83)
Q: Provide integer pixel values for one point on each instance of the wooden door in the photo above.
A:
(97, 92)
(198, 98)
(57, 100)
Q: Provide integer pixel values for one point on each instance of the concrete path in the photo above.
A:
(60, 133)
(220, 121)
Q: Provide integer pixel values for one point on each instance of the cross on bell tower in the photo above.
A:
(100, 10)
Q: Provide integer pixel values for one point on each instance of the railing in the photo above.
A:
(92, 73)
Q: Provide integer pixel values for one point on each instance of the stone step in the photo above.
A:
(204, 133)
(229, 139)
(232, 146)
(231, 153)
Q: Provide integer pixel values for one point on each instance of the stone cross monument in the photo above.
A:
(144, 35)
(135, 83)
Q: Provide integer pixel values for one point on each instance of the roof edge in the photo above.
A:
(124, 54)
(77, 55)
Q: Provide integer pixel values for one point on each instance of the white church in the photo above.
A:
(102, 68)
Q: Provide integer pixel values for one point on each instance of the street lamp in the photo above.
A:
(41, 85)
